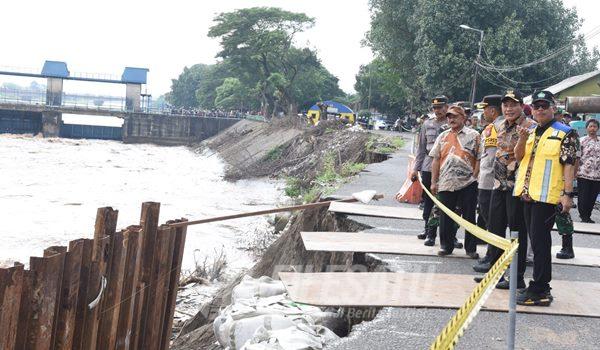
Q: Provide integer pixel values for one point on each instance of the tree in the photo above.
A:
(183, 89)
(259, 42)
(379, 87)
(421, 43)
(231, 94)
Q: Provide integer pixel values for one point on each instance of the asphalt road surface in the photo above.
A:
(410, 328)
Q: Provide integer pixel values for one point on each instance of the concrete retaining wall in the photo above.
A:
(172, 130)
(20, 122)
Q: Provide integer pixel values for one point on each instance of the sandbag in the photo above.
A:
(298, 337)
(256, 288)
(235, 333)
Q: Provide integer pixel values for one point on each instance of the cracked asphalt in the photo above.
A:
(412, 328)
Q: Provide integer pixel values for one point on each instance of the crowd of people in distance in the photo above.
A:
(520, 162)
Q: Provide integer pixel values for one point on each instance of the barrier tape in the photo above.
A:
(475, 230)
(457, 325)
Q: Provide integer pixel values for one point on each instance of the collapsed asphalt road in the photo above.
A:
(410, 328)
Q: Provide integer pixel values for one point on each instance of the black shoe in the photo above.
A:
(473, 255)
(588, 220)
(528, 298)
(422, 235)
(478, 279)
(443, 252)
(430, 241)
(565, 253)
(486, 259)
(482, 267)
(457, 244)
(505, 284)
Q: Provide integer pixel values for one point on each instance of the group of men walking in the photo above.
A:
(519, 172)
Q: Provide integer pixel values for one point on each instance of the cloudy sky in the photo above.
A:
(164, 36)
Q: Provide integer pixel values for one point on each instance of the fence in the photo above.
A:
(115, 291)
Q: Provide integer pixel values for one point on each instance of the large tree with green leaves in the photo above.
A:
(421, 42)
(259, 41)
(183, 89)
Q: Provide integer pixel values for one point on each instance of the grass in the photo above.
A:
(325, 183)
(292, 187)
(274, 153)
(351, 169)
(386, 145)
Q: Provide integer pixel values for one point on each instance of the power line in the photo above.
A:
(595, 31)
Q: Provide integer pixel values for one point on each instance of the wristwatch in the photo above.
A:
(570, 194)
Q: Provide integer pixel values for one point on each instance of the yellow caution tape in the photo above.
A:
(475, 230)
(456, 327)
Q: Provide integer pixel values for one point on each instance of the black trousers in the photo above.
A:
(507, 211)
(539, 219)
(466, 199)
(428, 203)
(483, 212)
(484, 198)
(587, 192)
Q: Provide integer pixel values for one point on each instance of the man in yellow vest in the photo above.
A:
(547, 155)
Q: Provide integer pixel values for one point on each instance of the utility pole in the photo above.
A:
(477, 59)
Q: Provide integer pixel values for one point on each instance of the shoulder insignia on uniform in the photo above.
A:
(560, 126)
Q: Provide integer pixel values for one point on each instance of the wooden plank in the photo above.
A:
(413, 213)
(11, 284)
(427, 290)
(67, 306)
(158, 287)
(376, 211)
(104, 229)
(45, 290)
(24, 310)
(409, 245)
(48, 252)
(111, 300)
(178, 249)
(130, 281)
(149, 223)
(81, 307)
(584, 227)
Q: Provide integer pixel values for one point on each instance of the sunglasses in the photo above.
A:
(542, 106)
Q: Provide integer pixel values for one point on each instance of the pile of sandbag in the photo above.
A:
(262, 317)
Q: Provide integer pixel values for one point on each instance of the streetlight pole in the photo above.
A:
(474, 84)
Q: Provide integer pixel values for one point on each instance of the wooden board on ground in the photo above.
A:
(376, 211)
(584, 227)
(410, 245)
(409, 213)
(379, 289)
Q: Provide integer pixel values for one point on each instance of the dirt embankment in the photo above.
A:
(286, 148)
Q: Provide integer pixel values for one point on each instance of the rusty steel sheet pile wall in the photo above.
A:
(115, 291)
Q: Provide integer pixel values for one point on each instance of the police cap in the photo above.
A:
(512, 95)
(440, 100)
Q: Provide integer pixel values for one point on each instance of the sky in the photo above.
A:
(165, 36)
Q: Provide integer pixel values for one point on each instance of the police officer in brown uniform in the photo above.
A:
(430, 130)
(507, 210)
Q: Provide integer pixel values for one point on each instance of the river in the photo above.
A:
(50, 190)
